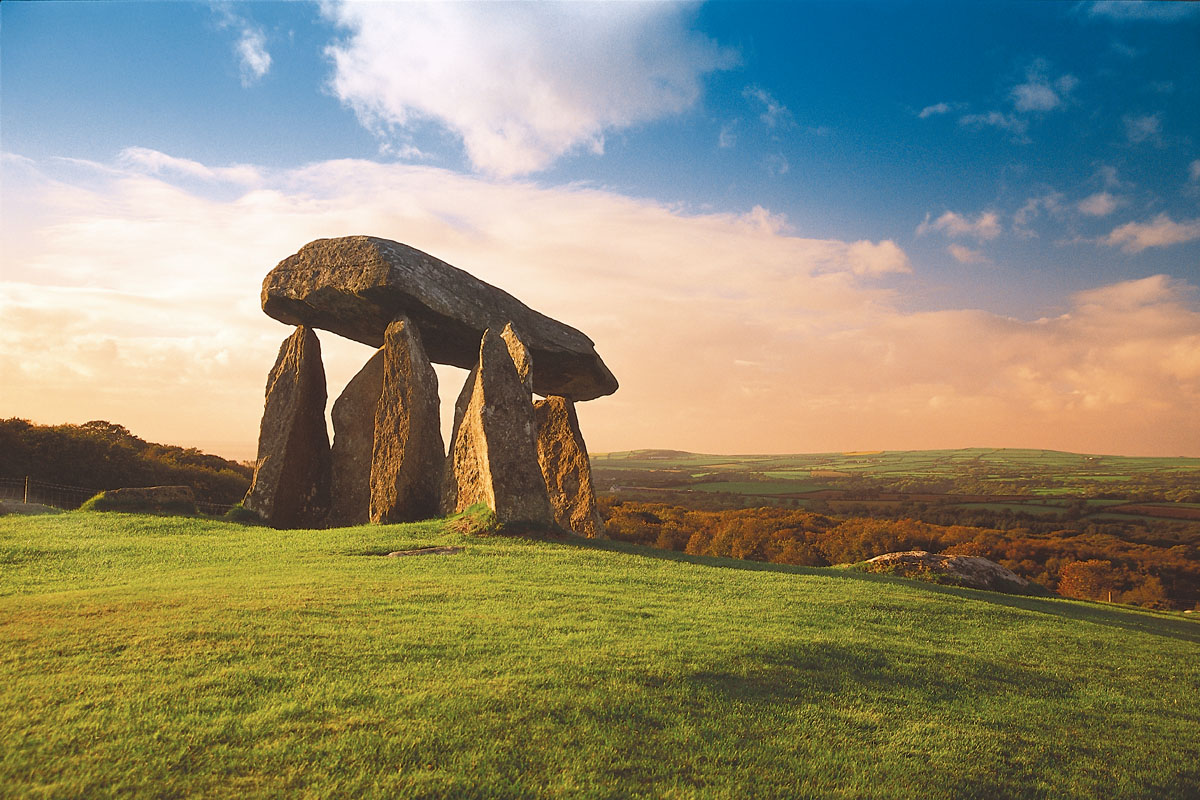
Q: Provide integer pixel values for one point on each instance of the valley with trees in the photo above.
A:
(1092, 527)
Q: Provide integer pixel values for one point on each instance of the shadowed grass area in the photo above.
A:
(165, 657)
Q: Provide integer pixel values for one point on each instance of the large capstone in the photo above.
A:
(493, 455)
(353, 441)
(408, 458)
(291, 476)
(356, 285)
(563, 458)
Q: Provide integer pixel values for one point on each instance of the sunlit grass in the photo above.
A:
(164, 657)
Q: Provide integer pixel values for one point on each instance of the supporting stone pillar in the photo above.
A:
(353, 443)
(493, 455)
(408, 455)
(563, 458)
(291, 476)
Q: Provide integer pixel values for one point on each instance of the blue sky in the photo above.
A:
(984, 172)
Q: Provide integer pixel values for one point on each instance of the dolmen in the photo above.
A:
(522, 456)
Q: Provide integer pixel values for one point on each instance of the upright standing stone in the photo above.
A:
(563, 457)
(353, 442)
(291, 476)
(408, 456)
(493, 455)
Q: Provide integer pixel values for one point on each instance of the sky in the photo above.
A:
(789, 227)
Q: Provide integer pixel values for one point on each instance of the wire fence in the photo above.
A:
(30, 490)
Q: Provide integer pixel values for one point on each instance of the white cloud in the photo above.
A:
(1100, 204)
(255, 59)
(1162, 231)
(965, 255)
(774, 113)
(934, 110)
(1194, 171)
(1122, 10)
(776, 164)
(521, 84)
(254, 62)
(984, 227)
(1143, 128)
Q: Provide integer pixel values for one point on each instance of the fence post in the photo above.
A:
(26, 500)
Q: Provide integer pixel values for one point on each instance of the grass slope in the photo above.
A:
(164, 657)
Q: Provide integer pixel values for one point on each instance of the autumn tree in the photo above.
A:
(1088, 580)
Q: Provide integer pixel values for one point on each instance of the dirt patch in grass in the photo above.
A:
(426, 551)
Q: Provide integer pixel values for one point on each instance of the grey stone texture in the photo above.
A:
(291, 481)
(493, 454)
(353, 442)
(566, 469)
(408, 456)
(356, 285)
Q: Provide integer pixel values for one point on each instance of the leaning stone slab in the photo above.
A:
(493, 455)
(521, 357)
(353, 440)
(563, 458)
(291, 476)
(408, 457)
(356, 285)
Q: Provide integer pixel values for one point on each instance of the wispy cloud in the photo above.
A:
(1162, 231)
(1008, 122)
(773, 113)
(1050, 203)
(727, 137)
(518, 100)
(934, 110)
(1144, 128)
(145, 160)
(1109, 177)
(965, 255)
(776, 164)
(1128, 10)
(984, 227)
(1100, 204)
(1040, 92)
(254, 62)
(1194, 171)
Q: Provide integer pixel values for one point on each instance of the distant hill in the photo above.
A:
(104, 455)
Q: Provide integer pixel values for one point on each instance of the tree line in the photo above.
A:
(104, 455)
(1081, 563)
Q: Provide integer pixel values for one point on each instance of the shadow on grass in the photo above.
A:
(1124, 617)
(808, 672)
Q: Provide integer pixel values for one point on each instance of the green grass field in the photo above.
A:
(166, 657)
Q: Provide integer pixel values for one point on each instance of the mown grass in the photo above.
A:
(165, 657)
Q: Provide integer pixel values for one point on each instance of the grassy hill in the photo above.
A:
(164, 657)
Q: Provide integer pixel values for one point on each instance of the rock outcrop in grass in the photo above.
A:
(972, 572)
